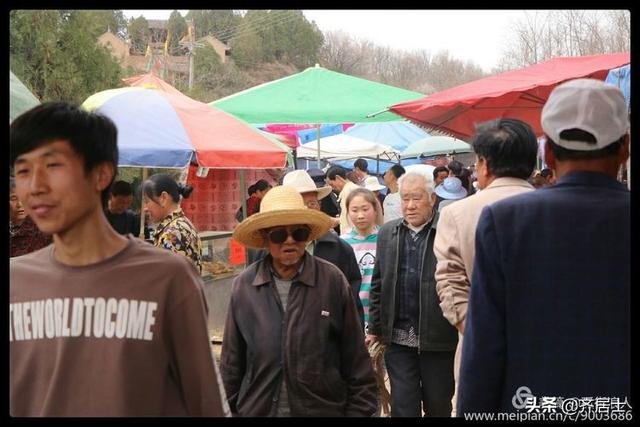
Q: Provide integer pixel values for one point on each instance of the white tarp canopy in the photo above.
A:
(342, 146)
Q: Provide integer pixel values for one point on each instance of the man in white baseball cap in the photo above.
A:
(549, 306)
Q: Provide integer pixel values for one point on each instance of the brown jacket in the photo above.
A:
(318, 345)
(455, 244)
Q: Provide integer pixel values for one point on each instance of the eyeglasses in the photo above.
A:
(279, 234)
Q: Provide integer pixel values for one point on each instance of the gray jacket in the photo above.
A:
(436, 333)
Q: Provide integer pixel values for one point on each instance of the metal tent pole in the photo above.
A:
(318, 143)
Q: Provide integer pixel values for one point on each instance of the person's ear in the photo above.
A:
(103, 175)
(164, 199)
(623, 154)
(433, 198)
(549, 156)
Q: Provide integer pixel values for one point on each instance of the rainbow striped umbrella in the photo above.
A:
(160, 127)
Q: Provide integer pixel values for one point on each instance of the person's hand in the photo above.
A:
(336, 221)
(369, 340)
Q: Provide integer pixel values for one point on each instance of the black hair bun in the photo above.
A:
(185, 190)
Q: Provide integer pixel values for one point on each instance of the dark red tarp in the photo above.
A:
(517, 94)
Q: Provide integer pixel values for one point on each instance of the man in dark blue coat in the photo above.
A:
(549, 304)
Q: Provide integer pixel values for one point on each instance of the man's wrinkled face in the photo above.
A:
(286, 243)
(440, 177)
(311, 200)
(336, 184)
(416, 201)
(16, 210)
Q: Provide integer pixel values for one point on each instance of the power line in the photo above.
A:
(260, 21)
(259, 26)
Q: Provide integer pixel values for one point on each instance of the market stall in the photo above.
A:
(519, 94)
(315, 96)
(159, 127)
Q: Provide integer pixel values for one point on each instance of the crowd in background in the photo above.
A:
(471, 281)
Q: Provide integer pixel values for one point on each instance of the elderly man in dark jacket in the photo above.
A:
(293, 344)
(405, 314)
(329, 246)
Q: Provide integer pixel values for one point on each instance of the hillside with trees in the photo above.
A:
(55, 52)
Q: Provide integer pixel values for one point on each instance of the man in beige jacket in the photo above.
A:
(506, 151)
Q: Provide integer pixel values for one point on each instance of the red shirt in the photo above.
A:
(253, 205)
(26, 238)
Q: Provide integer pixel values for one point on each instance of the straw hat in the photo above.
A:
(302, 181)
(282, 205)
(371, 183)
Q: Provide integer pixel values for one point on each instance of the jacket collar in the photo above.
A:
(402, 223)
(592, 179)
(306, 276)
(178, 213)
(508, 181)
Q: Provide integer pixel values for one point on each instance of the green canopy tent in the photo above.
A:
(20, 98)
(315, 96)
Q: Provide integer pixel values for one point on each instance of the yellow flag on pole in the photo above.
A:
(166, 45)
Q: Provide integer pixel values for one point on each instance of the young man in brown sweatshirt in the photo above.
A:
(100, 324)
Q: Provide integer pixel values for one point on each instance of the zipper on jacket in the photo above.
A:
(275, 399)
(395, 283)
(424, 259)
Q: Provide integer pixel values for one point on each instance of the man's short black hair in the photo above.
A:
(397, 171)
(455, 167)
(562, 153)
(262, 185)
(92, 136)
(251, 189)
(336, 170)
(509, 146)
(439, 169)
(361, 164)
(121, 188)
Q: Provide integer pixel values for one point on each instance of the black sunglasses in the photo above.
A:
(280, 234)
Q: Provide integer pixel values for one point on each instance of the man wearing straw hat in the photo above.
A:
(293, 344)
(329, 246)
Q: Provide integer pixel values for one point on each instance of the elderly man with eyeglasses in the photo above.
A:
(293, 344)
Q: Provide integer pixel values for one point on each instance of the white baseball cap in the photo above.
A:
(589, 105)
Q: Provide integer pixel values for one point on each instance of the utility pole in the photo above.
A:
(191, 45)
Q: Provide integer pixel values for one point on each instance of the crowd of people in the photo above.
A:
(475, 282)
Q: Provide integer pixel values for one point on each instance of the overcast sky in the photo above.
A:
(469, 35)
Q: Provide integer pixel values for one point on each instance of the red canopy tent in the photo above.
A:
(518, 94)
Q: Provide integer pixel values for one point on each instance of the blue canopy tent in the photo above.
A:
(399, 135)
(621, 77)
